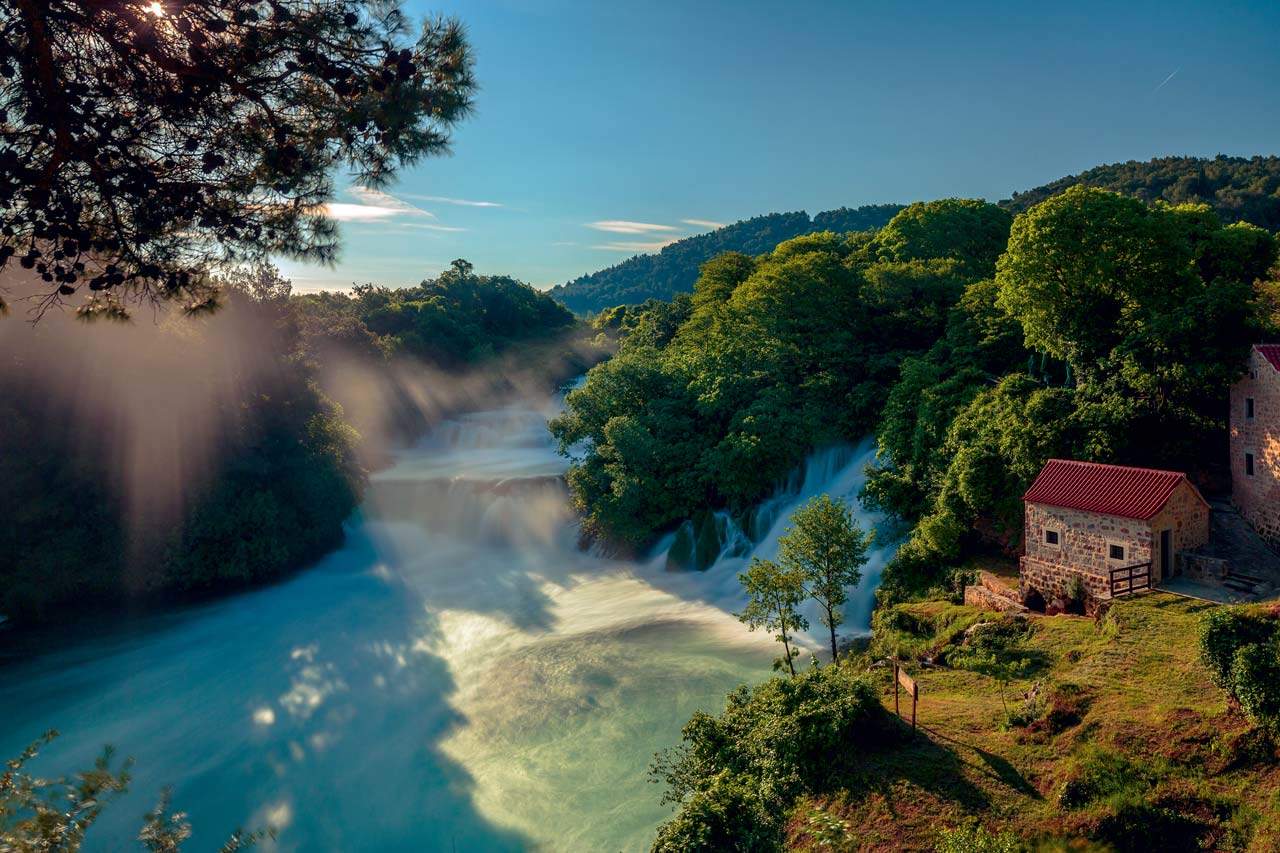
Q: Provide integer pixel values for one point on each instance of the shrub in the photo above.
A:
(742, 770)
(1135, 826)
(827, 830)
(1100, 774)
(1076, 593)
(977, 839)
(1241, 648)
(727, 814)
(1223, 630)
(1256, 682)
(1029, 710)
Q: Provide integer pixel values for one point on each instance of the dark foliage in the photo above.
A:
(735, 776)
(142, 141)
(1111, 332)
(286, 480)
(286, 473)
(1237, 188)
(456, 318)
(675, 269)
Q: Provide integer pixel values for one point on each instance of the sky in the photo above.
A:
(604, 129)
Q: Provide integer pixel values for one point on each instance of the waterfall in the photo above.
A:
(839, 471)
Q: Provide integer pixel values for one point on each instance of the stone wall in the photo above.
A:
(1187, 516)
(979, 596)
(1053, 580)
(1084, 539)
(1258, 497)
(1203, 568)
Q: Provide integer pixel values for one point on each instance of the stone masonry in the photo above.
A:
(1258, 494)
(1085, 541)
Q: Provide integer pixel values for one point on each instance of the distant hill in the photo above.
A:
(675, 268)
(1238, 188)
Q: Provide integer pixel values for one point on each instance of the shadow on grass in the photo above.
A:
(994, 766)
(919, 761)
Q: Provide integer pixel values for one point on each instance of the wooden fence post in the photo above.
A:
(900, 680)
(896, 712)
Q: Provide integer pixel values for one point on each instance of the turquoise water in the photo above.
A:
(459, 676)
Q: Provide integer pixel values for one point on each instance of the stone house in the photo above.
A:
(1086, 519)
(1255, 442)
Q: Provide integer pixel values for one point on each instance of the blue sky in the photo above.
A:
(596, 122)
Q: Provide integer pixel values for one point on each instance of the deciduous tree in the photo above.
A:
(773, 594)
(827, 548)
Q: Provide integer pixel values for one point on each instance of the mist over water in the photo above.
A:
(458, 676)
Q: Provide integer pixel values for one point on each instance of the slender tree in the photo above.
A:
(142, 141)
(827, 548)
(773, 594)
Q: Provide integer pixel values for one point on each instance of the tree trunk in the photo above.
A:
(831, 623)
(787, 647)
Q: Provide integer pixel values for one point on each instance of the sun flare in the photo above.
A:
(155, 8)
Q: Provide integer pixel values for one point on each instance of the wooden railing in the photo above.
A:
(1127, 579)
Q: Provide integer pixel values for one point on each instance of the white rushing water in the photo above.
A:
(459, 676)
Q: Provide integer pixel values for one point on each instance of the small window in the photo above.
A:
(1051, 537)
(1116, 552)
(1248, 408)
(1248, 464)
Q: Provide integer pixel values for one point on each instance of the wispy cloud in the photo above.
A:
(703, 223)
(1165, 80)
(625, 226)
(463, 202)
(633, 245)
(431, 226)
(373, 206)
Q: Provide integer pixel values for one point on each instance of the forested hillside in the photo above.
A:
(1237, 188)
(675, 268)
(1092, 326)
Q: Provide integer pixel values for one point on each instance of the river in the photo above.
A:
(458, 676)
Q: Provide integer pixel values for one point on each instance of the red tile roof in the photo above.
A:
(1271, 352)
(1137, 493)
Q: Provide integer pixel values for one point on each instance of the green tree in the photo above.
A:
(736, 776)
(825, 545)
(1090, 272)
(970, 231)
(773, 594)
(145, 141)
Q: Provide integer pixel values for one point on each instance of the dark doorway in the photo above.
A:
(1166, 554)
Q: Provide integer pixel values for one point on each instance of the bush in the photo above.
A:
(1256, 682)
(977, 839)
(1241, 648)
(1224, 630)
(727, 814)
(1136, 826)
(736, 775)
(1100, 774)
(1076, 593)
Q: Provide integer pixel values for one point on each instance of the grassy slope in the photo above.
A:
(1145, 696)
